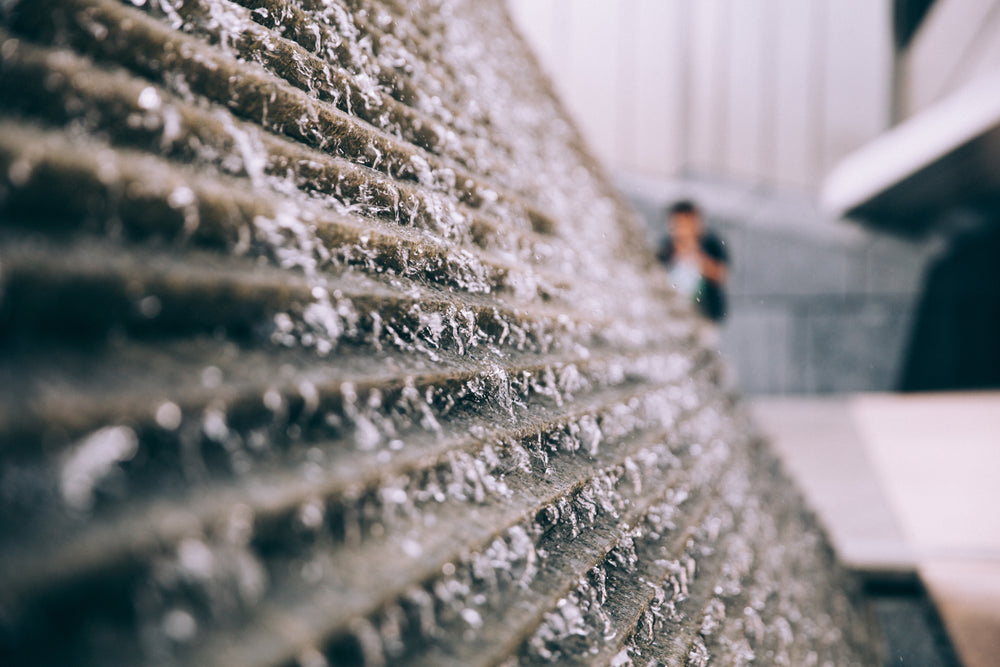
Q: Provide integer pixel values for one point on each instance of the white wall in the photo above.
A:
(771, 92)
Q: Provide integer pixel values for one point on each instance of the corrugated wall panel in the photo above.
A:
(324, 340)
(771, 93)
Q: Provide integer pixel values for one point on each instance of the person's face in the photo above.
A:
(685, 228)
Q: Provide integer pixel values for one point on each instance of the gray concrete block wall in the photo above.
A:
(815, 305)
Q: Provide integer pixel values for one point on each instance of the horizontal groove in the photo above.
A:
(307, 27)
(328, 615)
(540, 131)
(703, 603)
(775, 585)
(431, 39)
(637, 595)
(118, 108)
(629, 594)
(63, 407)
(150, 48)
(674, 643)
(184, 524)
(494, 653)
(322, 31)
(307, 332)
(772, 536)
(59, 410)
(274, 494)
(329, 34)
(297, 66)
(438, 78)
(83, 291)
(91, 289)
(520, 195)
(150, 197)
(553, 119)
(422, 38)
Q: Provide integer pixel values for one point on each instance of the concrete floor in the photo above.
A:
(907, 483)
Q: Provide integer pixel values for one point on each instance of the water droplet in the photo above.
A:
(181, 197)
(179, 625)
(169, 416)
(93, 459)
(214, 425)
(211, 377)
(272, 400)
(149, 99)
(411, 548)
(472, 617)
(19, 172)
(150, 306)
(311, 514)
(311, 657)
(196, 558)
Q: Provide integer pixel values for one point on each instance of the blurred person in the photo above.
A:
(696, 260)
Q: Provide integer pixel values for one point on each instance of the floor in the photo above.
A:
(907, 484)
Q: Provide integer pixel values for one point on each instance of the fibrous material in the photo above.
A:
(323, 340)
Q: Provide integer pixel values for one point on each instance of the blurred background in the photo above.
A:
(751, 107)
(848, 152)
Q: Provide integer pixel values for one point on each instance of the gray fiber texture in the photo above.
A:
(323, 340)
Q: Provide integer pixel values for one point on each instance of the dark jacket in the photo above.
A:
(710, 297)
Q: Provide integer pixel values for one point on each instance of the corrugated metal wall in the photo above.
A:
(322, 341)
(771, 92)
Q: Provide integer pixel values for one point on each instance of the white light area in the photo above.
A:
(93, 459)
(913, 145)
(936, 455)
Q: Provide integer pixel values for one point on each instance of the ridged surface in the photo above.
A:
(324, 340)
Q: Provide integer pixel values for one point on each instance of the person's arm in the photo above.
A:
(714, 269)
(714, 260)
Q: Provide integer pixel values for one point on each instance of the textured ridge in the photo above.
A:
(323, 340)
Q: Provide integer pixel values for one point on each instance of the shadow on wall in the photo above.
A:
(956, 335)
